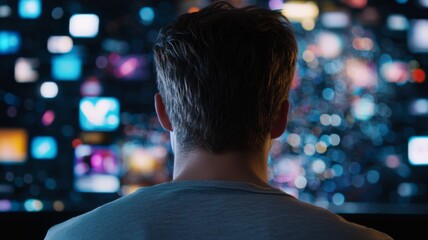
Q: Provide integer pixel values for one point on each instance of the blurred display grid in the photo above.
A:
(357, 128)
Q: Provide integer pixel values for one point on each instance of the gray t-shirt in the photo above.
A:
(210, 210)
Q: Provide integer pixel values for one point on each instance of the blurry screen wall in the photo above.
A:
(77, 123)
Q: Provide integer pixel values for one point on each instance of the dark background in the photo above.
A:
(395, 204)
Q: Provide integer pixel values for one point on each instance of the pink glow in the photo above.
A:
(97, 161)
(48, 118)
(127, 67)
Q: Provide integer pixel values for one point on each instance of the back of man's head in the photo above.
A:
(223, 73)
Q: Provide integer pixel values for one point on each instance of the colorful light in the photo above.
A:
(84, 25)
(395, 72)
(48, 118)
(330, 45)
(5, 11)
(418, 75)
(335, 20)
(66, 67)
(44, 148)
(29, 8)
(397, 22)
(299, 11)
(363, 108)
(10, 42)
(99, 113)
(418, 150)
(417, 36)
(49, 90)
(25, 70)
(13, 145)
(60, 44)
(147, 14)
(96, 169)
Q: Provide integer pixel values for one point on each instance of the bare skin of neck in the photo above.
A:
(230, 166)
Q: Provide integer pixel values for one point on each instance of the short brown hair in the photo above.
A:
(223, 73)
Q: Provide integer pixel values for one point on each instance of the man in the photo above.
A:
(223, 76)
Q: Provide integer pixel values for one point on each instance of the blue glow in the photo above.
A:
(373, 176)
(30, 8)
(99, 114)
(10, 42)
(328, 94)
(337, 170)
(44, 148)
(338, 199)
(147, 15)
(397, 22)
(33, 205)
(66, 67)
(11, 99)
(363, 109)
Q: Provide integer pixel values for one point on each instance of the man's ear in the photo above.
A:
(161, 113)
(280, 123)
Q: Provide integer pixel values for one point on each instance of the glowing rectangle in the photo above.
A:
(96, 169)
(5, 11)
(66, 67)
(84, 25)
(26, 70)
(423, 3)
(142, 163)
(418, 150)
(60, 44)
(335, 19)
(44, 148)
(418, 36)
(99, 113)
(298, 11)
(13, 145)
(419, 107)
(29, 8)
(10, 42)
(397, 22)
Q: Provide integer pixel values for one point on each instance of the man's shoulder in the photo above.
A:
(238, 203)
(105, 216)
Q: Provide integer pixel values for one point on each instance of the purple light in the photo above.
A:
(5, 205)
(97, 161)
(48, 118)
(276, 4)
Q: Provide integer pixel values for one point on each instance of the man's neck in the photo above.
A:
(231, 166)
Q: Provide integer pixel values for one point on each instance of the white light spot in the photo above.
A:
(60, 44)
(309, 149)
(49, 90)
(84, 25)
(300, 182)
(318, 166)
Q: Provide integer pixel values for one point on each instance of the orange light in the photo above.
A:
(193, 9)
(419, 75)
(364, 44)
(13, 145)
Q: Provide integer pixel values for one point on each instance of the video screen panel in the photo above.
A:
(78, 128)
